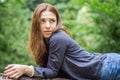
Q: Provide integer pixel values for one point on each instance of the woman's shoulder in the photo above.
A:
(59, 36)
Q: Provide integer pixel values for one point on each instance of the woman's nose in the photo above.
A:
(47, 25)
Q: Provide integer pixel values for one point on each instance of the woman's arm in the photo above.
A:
(57, 48)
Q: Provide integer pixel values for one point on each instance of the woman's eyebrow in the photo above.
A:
(48, 18)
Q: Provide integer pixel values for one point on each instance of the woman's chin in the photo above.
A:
(47, 36)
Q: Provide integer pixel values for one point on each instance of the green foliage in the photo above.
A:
(33, 3)
(14, 30)
(95, 24)
(107, 17)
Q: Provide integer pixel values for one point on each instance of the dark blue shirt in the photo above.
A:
(66, 54)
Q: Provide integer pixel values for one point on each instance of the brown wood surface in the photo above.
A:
(4, 77)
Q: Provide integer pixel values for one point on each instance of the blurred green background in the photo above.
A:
(94, 24)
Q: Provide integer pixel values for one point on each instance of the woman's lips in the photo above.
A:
(47, 32)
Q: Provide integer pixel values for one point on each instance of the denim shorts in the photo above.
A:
(111, 67)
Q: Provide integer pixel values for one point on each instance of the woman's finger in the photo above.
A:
(9, 70)
(11, 73)
(15, 75)
(9, 66)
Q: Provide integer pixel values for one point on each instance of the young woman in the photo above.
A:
(59, 55)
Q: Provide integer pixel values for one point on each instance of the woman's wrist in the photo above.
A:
(32, 70)
(29, 70)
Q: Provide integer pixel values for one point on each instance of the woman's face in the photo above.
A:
(48, 22)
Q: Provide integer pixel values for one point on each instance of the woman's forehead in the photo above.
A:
(48, 14)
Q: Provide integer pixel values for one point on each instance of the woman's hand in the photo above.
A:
(15, 70)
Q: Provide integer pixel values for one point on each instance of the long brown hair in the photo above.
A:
(37, 43)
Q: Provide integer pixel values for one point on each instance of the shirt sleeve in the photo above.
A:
(57, 48)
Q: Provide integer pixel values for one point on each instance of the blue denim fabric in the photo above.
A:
(111, 67)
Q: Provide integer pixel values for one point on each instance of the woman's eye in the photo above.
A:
(42, 21)
(52, 21)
